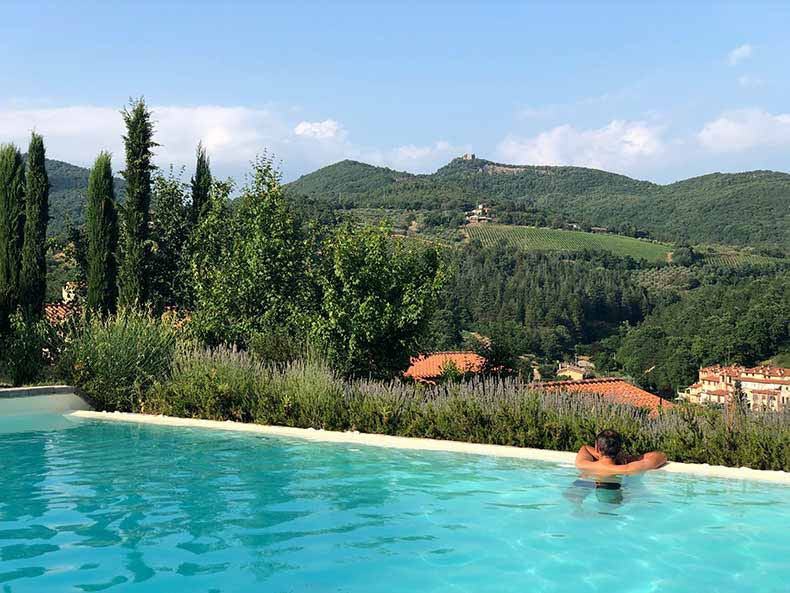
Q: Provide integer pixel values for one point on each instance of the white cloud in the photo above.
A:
(617, 146)
(748, 81)
(739, 54)
(744, 129)
(322, 130)
(232, 135)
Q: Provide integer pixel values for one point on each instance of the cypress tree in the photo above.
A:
(12, 217)
(33, 276)
(201, 184)
(102, 230)
(133, 271)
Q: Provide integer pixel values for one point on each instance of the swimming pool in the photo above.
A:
(126, 507)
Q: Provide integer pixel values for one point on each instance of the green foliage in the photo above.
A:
(744, 323)
(698, 210)
(12, 217)
(229, 385)
(68, 187)
(376, 294)
(170, 229)
(24, 349)
(278, 346)
(542, 239)
(201, 185)
(541, 304)
(33, 275)
(102, 238)
(216, 384)
(133, 274)
(249, 264)
(684, 255)
(450, 373)
(115, 359)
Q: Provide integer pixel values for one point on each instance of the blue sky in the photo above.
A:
(660, 91)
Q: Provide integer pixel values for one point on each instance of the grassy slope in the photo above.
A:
(542, 239)
(741, 209)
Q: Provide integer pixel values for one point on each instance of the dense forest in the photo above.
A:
(741, 323)
(741, 209)
(541, 304)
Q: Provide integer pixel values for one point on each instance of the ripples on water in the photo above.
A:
(121, 507)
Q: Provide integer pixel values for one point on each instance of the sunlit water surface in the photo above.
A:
(121, 507)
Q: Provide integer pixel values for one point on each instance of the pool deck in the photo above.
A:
(378, 440)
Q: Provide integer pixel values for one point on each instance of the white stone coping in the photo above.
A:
(378, 440)
(13, 392)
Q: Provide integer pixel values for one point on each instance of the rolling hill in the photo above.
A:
(68, 186)
(750, 208)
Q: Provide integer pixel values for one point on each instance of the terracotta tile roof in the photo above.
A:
(56, 313)
(429, 366)
(617, 389)
(731, 371)
(766, 391)
(721, 392)
(768, 371)
(765, 381)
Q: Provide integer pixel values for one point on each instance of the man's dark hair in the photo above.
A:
(609, 443)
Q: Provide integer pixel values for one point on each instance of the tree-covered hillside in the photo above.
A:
(68, 186)
(742, 209)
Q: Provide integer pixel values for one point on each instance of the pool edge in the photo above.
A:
(395, 442)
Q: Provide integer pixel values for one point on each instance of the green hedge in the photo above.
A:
(228, 385)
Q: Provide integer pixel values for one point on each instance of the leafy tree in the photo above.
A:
(743, 323)
(102, 231)
(33, 275)
(201, 184)
(133, 277)
(12, 192)
(248, 264)
(170, 226)
(376, 295)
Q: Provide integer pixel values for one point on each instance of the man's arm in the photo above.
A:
(643, 463)
(587, 457)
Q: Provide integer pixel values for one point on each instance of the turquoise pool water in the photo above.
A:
(122, 507)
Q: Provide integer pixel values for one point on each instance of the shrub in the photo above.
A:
(115, 360)
(216, 384)
(25, 349)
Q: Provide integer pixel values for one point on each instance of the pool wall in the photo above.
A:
(52, 399)
(377, 440)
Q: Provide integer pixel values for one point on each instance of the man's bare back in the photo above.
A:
(606, 459)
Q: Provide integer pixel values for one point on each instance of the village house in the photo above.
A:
(571, 371)
(762, 387)
(479, 215)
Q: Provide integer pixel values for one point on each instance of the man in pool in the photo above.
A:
(603, 463)
(606, 458)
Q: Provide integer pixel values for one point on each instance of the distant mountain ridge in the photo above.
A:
(68, 187)
(751, 208)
